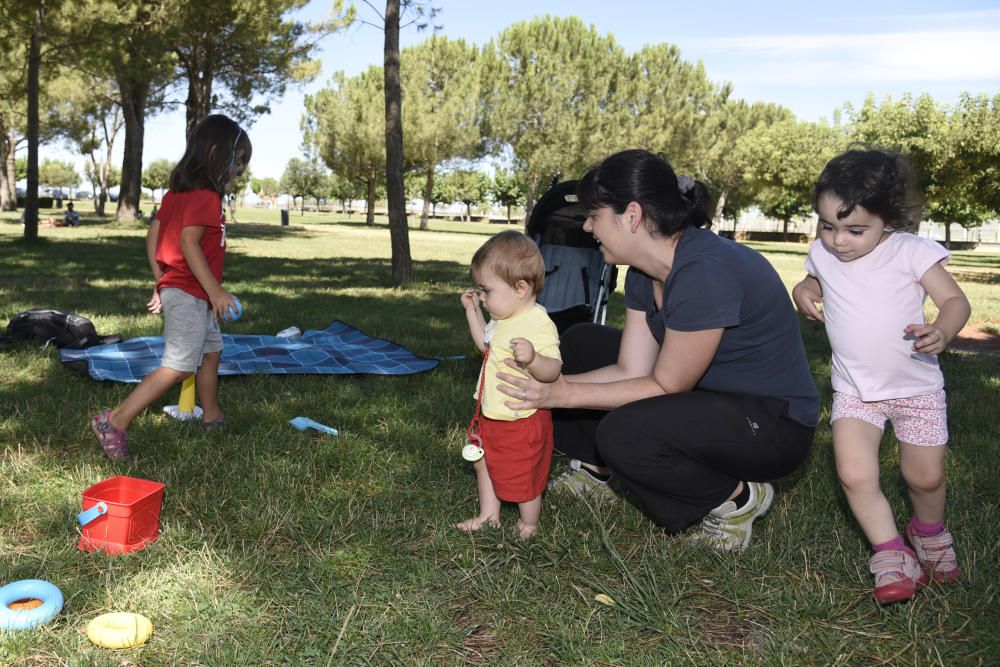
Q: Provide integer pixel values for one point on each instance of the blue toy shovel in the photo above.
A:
(303, 423)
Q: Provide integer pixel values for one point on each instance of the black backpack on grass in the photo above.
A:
(53, 327)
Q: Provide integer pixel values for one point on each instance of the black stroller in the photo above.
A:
(578, 282)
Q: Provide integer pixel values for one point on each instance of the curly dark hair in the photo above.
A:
(878, 180)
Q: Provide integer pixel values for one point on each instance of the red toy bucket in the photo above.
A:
(121, 514)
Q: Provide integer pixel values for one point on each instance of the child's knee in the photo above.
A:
(923, 478)
(179, 376)
(854, 478)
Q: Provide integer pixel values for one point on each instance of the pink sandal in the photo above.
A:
(113, 440)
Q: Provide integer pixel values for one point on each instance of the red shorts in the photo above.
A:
(518, 455)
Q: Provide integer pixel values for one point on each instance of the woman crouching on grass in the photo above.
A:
(706, 394)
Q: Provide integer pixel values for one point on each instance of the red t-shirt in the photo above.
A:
(201, 208)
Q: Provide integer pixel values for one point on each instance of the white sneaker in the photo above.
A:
(727, 527)
(578, 481)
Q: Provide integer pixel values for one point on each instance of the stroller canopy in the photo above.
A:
(577, 279)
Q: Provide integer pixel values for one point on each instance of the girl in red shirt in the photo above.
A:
(186, 245)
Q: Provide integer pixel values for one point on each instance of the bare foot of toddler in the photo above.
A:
(526, 530)
(477, 523)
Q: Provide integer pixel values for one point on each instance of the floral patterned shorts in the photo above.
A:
(918, 420)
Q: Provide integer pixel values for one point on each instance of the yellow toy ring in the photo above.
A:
(119, 630)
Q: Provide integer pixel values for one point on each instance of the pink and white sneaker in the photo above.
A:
(936, 554)
(898, 575)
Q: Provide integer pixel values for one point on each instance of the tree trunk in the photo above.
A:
(134, 95)
(947, 235)
(34, 68)
(8, 170)
(784, 230)
(529, 198)
(95, 185)
(508, 214)
(428, 193)
(399, 233)
(105, 176)
(720, 206)
(370, 198)
(199, 97)
(104, 171)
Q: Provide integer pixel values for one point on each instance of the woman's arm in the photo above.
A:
(636, 355)
(682, 361)
(953, 312)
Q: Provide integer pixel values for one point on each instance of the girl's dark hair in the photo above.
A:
(647, 179)
(878, 180)
(215, 148)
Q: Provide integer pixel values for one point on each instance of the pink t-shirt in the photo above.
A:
(866, 304)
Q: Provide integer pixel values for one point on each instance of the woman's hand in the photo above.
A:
(527, 392)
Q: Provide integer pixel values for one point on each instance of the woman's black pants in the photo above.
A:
(681, 455)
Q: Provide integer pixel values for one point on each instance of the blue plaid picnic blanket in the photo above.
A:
(339, 349)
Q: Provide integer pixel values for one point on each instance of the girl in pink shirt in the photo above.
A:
(871, 276)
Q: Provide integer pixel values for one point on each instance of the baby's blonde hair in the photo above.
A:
(512, 256)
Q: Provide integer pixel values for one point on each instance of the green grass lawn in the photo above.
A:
(289, 548)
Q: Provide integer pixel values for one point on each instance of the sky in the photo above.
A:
(809, 57)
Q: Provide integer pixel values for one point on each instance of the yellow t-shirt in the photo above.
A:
(532, 324)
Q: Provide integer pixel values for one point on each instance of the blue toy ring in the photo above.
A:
(29, 589)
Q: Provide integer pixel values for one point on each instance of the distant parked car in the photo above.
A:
(84, 194)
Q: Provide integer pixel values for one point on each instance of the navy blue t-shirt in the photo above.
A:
(716, 283)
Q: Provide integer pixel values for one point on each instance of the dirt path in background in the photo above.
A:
(974, 339)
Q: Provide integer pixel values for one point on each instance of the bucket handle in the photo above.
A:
(87, 516)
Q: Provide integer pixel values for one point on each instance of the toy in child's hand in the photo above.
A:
(234, 314)
(473, 450)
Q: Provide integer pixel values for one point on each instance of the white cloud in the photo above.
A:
(838, 59)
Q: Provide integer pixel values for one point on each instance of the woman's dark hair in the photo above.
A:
(878, 180)
(647, 179)
(215, 148)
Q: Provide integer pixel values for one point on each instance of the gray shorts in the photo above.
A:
(189, 330)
